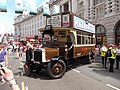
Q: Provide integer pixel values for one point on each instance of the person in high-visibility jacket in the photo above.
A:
(112, 58)
(103, 51)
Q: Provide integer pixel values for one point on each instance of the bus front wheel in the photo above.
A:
(56, 69)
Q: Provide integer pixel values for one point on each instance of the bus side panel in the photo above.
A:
(80, 51)
(81, 54)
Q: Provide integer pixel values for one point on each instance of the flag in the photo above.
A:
(33, 7)
(46, 10)
(26, 7)
(18, 6)
(3, 5)
(56, 9)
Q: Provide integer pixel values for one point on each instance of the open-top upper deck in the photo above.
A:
(69, 20)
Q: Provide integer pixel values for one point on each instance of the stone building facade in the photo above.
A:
(105, 14)
(28, 26)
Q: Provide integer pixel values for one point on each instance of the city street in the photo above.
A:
(82, 77)
(59, 37)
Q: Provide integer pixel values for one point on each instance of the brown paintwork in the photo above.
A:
(82, 50)
(50, 53)
(79, 51)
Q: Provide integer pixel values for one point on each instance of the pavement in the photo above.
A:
(96, 71)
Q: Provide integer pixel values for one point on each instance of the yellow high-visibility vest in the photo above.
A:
(113, 55)
(103, 53)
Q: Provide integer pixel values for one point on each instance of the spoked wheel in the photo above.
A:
(27, 70)
(56, 69)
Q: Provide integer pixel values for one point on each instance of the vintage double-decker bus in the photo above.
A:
(66, 39)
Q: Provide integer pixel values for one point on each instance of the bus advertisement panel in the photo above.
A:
(83, 25)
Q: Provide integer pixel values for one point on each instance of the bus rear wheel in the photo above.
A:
(56, 69)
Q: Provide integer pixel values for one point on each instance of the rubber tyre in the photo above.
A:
(56, 69)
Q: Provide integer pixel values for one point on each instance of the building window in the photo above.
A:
(32, 26)
(40, 17)
(80, 6)
(37, 18)
(35, 25)
(38, 24)
(110, 10)
(100, 29)
(35, 32)
(30, 32)
(60, 8)
(81, 15)
(66, 7)
(97, 13)
(117, 9)
(44, 22)
(30, 21)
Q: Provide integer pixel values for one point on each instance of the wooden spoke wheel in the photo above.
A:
(56, 69)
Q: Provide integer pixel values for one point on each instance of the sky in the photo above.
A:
(7, 18)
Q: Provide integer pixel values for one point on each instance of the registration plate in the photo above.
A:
(37, 62)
